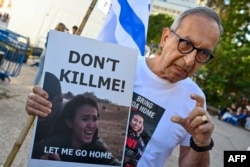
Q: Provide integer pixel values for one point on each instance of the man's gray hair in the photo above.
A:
(202, 11)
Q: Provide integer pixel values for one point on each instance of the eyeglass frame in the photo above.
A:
(180, 39)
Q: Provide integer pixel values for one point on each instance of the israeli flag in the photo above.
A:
(127, 24)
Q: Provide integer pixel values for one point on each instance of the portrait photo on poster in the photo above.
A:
(73, 133)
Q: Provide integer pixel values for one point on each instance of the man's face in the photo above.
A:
(175, 66)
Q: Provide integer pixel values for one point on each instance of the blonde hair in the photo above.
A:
(60, 27)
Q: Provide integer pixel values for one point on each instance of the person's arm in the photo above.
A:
(37, 102)
(229, 109)
(200, 131)
(239, 110)
(190, 158)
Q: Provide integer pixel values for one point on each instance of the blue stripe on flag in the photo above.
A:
(132, 24)
(127, 23)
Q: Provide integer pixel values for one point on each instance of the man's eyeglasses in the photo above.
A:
(186, 47)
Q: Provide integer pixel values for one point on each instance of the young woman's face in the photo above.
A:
(136, 123)
(84, 124)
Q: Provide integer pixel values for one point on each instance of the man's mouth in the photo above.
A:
(179, 71)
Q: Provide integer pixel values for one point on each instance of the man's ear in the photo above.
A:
(165, 34)
(69, 123)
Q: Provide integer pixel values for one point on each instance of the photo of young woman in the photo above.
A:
(75, 136)
(134, 142)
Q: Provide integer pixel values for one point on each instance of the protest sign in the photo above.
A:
(74, 66)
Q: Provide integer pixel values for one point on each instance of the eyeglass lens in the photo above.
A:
(185, 47)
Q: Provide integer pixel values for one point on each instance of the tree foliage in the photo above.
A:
(226, 78)
(155, 27)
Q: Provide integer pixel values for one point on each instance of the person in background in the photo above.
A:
(232, 110)
(166, 82)
(59, 27)
(247, 111)
(74, 29)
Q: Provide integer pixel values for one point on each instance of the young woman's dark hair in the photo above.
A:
(70, 108)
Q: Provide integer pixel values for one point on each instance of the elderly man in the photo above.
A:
(164, 81)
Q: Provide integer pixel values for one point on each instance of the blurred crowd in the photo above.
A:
(238, 113)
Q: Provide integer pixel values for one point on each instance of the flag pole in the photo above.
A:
(19, 141)
(86, 17)
(17, 145)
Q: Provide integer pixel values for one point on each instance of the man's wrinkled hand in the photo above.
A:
(198, 124)
(37, 102)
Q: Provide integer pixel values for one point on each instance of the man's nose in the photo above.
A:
(190, 58)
